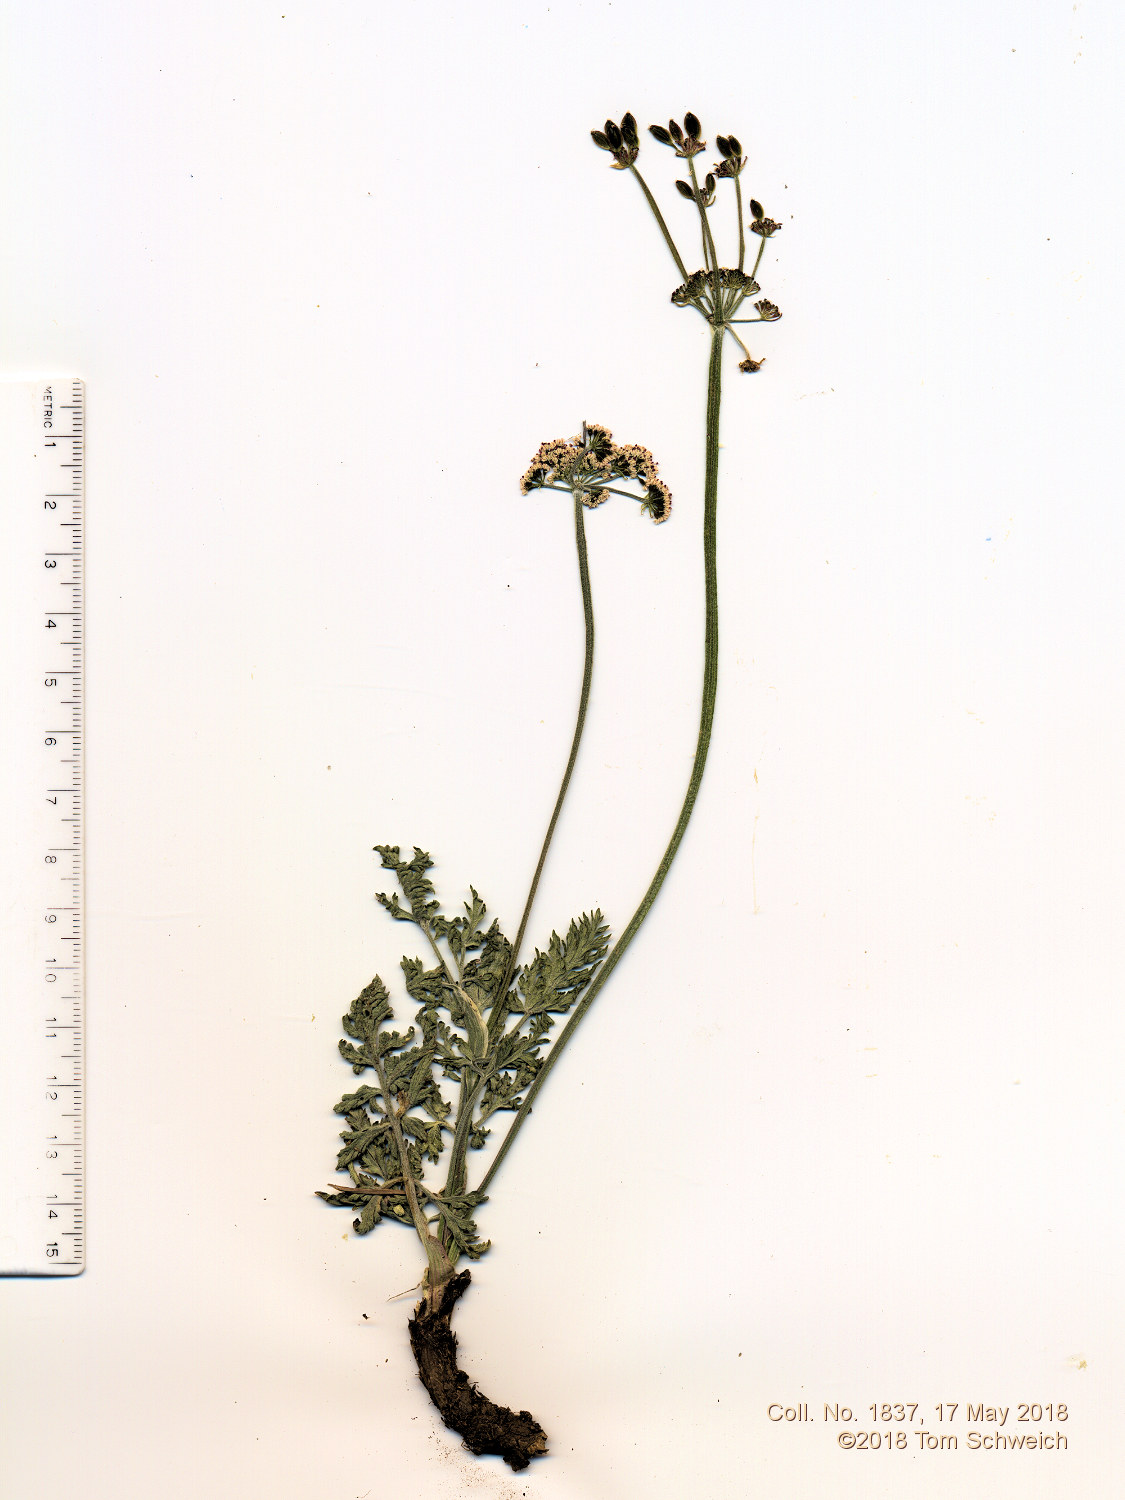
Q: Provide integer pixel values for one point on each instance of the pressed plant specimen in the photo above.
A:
(484, 1038)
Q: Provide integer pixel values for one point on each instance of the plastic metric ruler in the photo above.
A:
(42, 1180)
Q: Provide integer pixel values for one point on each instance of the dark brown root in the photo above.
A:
(515, 1437)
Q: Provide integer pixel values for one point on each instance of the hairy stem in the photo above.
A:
(703, 741)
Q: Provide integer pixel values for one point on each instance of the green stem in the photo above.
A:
(603, 489)
(455, 1179)
(467, 1094)
(738, 341)
(741, 230)
(583, 704)
(758, 257)
(438, 953)
(439, 1266)
(706, 719)
(458, 1148)
(652, 203)
(709, 251)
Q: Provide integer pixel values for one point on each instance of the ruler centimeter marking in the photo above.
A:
(42, 715)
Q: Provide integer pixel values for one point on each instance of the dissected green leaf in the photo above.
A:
(548, 986)
(457, 1218)
(427, 986)
(463, 933)
(356, 1142)
(553, 980)
(405, 1070)
(402, 1121)
(483, 975)
(416, 884)
(427, 1133)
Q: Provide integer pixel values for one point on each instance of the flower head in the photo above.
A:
(685, 140)
(730, 279)
(597, 442)
(657, 501)
(760, 224)
(553, 464)
(733, 160)
(634, 462)
(622, 140)
(705, 194)
(587, 465)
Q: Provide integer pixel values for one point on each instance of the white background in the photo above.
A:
(846, 1125)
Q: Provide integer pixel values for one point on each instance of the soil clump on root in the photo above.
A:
(516, 1437)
